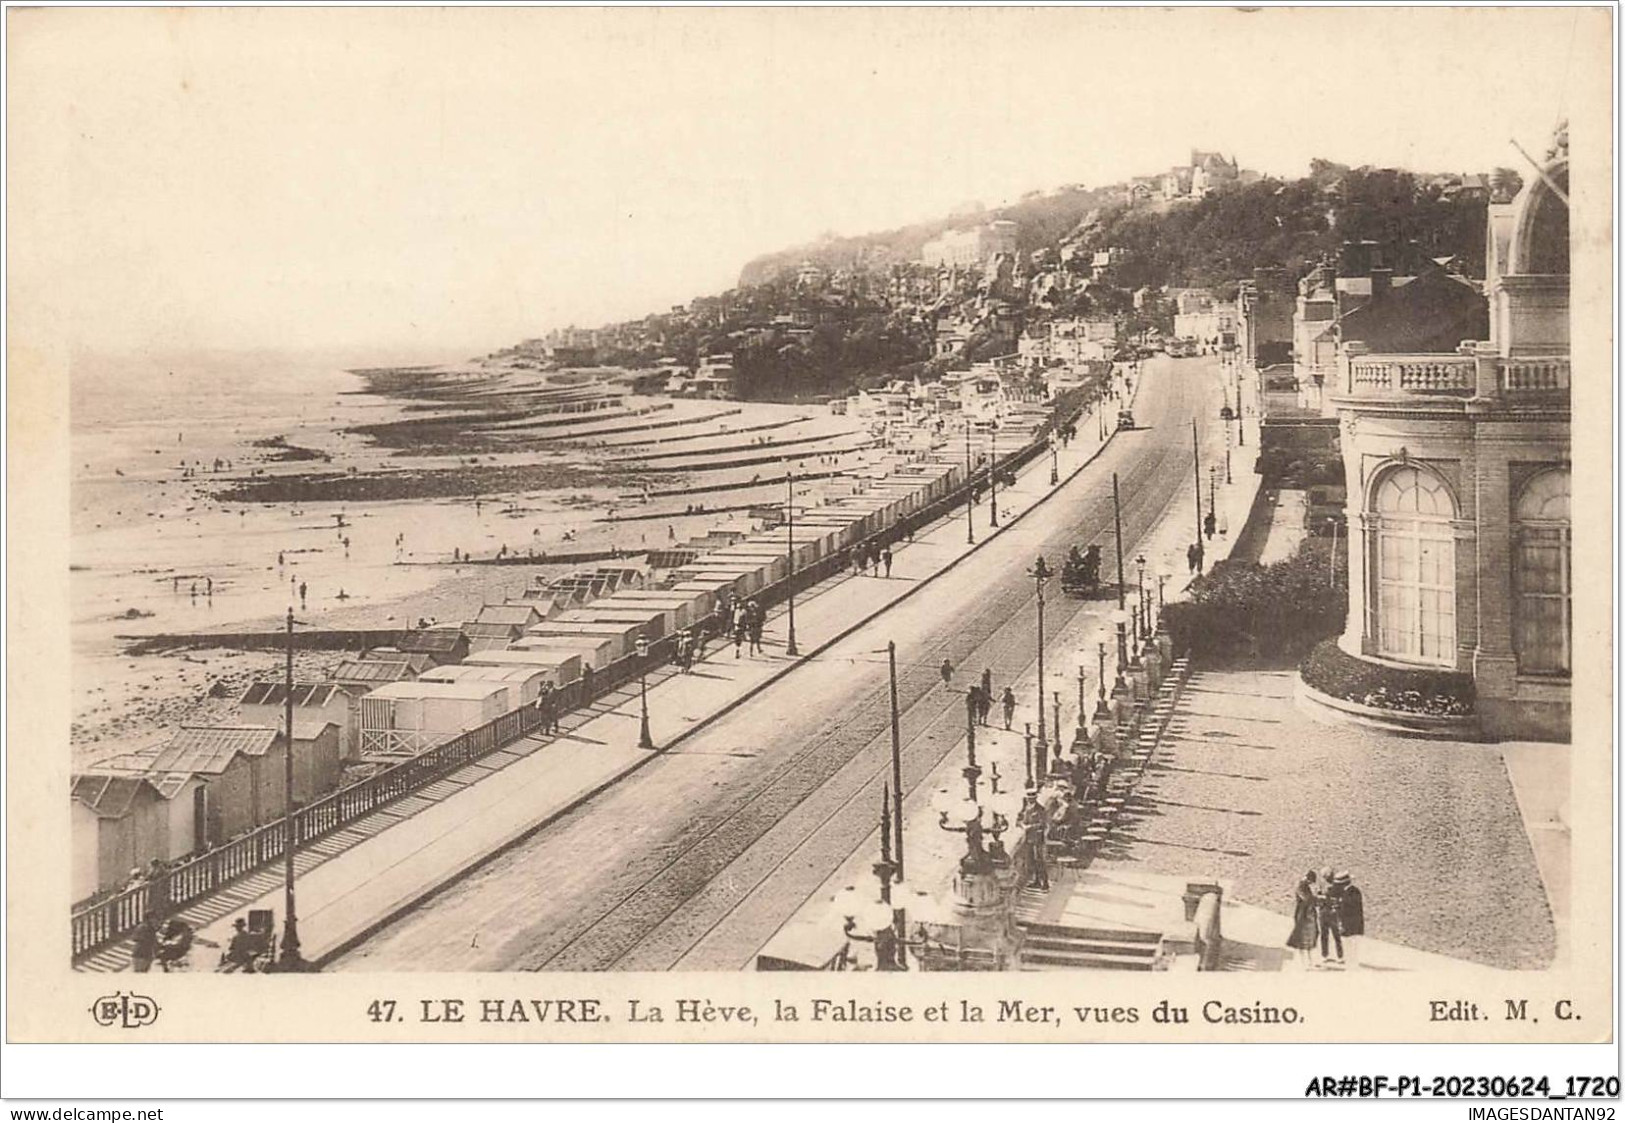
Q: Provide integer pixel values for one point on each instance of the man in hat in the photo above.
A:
(1351, 914)
(1034, 821)
(1328, 907)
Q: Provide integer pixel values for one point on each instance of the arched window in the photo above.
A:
(1413, 610)
(1541, 577)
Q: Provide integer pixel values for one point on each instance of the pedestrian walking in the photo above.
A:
(1303, 934)
(1009, 701)
(1193, 555)
(145, 945)
(885, 558)
(740, 629)
(987, 684)
(1037, 825)
(685, 651)
(302, 590)
(1209, 524)
(947, 672)
(1351, 913)
(194, 592)
(1328, 916)
(209, 585)
(280, 561)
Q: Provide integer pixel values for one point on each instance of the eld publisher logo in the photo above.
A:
(129, 1011)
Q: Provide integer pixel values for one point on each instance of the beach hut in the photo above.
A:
(264, 703)
(522, 683)
(405, 718)
(703, 594)
(623, 635)
(357, 676)
(498, 625)
(121, 823)
(651, 623)
(555, 666)
(206, 785)
(443, 645)
(593, 652)
(681, 611)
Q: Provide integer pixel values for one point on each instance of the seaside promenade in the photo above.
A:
(362, 875)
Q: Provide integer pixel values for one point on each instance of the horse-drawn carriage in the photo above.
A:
(1080, 573)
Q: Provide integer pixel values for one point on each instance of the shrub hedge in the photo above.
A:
(1241, 607)
(1331, 670)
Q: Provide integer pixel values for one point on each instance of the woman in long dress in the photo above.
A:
(1305, 931)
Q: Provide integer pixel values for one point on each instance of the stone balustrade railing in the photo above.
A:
(1534, 375)
(1411, 374)
(1474, 371)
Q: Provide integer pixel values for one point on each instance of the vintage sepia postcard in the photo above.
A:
(805, 525)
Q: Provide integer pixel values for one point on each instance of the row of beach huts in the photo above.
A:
(211, 783)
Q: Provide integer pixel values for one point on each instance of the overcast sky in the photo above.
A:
(462, 179)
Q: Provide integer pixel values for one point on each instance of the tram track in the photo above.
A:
(777, 794)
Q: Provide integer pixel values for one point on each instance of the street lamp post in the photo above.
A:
(1056, 701)
(1117, 529)
(1145, 622)
(790, 648)
(1040, 573)
(1054, 458)
(1120, 619)
(993, 476)
(291, 960)
(896, 753)
(1083, 692)
(1196, 452)
(970, 492)
(1212, 487)
(645, 741)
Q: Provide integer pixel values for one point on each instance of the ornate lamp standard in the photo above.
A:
(1040, 573)
(1083, 693)
(645, 741)
(884, 924)
(1103, 710)
(964, 816)
(1120, 619)
(1054, 458)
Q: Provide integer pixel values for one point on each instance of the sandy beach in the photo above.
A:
(210, 503)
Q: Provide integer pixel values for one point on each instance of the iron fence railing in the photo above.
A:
(100, 923)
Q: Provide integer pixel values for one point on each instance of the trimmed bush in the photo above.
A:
(1331, 670)
(1241, 607)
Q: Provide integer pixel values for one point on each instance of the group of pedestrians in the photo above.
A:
(981, 696)
(745, 622)
(547, 708)
(865, 558)
(1328, 910)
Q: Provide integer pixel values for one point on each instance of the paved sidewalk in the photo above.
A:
(358, 878)
(814, 932)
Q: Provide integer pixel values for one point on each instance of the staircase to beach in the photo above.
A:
(1049, 947)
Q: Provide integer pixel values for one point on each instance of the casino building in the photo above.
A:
(1458, 475)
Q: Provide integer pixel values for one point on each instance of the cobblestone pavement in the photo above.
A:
(1248, 789)
(697, 858)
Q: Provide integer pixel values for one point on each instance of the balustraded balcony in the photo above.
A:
(1476, 371)
(1383, 375)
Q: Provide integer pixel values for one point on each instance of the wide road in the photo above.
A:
(694, 861)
